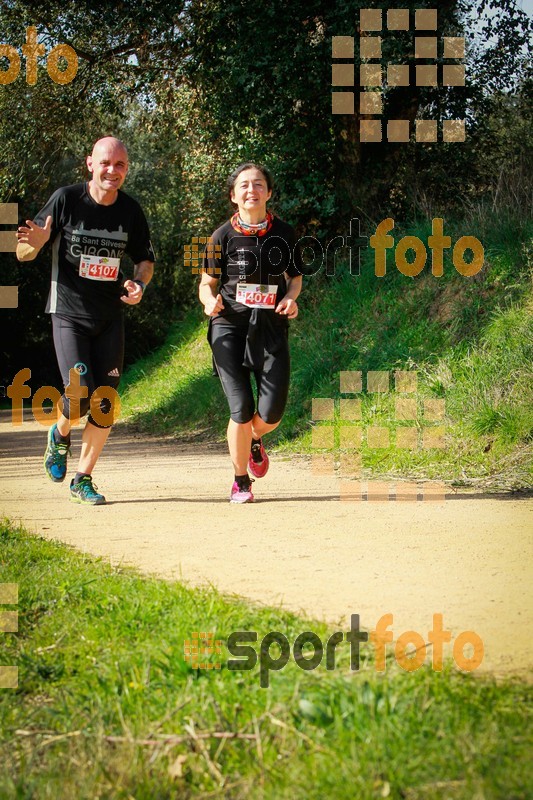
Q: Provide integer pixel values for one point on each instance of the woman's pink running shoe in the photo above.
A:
(240, 494)
(258, 460)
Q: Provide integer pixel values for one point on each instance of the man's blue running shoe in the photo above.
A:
(55, 457)
(85, 492)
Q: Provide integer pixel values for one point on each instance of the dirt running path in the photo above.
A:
(298, 545)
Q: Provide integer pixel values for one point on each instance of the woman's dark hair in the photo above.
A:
(249, 165)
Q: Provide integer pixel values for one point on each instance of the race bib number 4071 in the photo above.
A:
(98, 268)
(256, 295)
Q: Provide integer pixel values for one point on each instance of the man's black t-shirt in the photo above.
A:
(253, 260)
(88, 242)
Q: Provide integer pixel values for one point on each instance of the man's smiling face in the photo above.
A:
(109, 165)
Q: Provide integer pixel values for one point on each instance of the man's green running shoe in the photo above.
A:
(85, 492)
(55, 457)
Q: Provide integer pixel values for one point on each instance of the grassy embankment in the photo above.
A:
(107, 707)
(470, 340)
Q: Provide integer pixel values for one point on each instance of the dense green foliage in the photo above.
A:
(107, 706)
(171, 79)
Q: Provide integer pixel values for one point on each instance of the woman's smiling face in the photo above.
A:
(250, 191)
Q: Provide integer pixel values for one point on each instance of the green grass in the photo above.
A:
(173, 390)
(469, 339)
(100, 655)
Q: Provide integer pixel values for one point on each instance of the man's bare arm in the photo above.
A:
(143, 271)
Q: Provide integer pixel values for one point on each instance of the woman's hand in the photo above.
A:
(288, 308)
(213, 305)
(211, 301)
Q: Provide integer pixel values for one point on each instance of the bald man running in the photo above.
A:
(91, 226)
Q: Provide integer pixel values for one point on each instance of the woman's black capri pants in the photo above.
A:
(228, 343)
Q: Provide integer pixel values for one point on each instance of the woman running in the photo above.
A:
(254, 257)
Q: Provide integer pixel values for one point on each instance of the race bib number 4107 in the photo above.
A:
(256, 295)
(98, 268)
